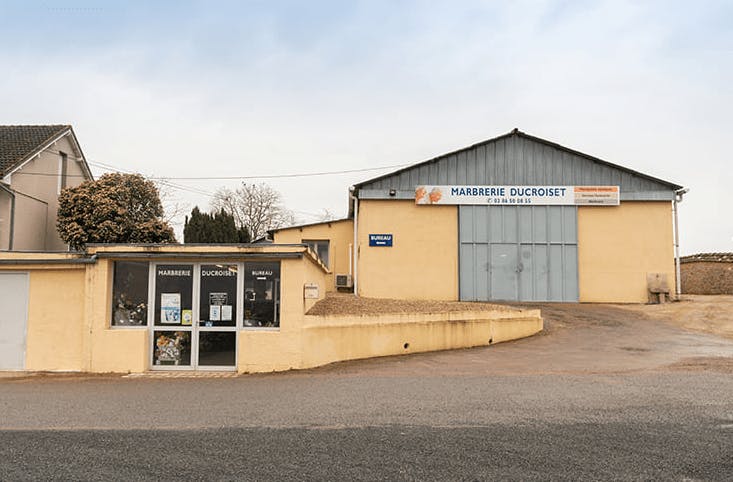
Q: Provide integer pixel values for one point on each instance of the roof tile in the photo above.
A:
(19, 142)
(708, 257)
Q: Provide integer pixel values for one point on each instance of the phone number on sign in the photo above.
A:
(509, 200)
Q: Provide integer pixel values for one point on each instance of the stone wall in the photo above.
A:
(707, 274)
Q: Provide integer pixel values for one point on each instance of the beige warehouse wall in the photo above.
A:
(618, 246)
(339, 233)
(422, 263)
(56, 319)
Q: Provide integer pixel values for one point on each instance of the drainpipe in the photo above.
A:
(677, 199)
(12, 214)
(355, 277)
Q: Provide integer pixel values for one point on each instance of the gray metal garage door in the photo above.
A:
(13, 320)
(526, 253)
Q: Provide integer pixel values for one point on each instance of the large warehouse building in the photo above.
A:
(512, 218)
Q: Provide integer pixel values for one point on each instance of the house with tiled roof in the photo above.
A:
(36, 163)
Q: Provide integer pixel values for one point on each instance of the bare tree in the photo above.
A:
(327, 215)
(258, 207)
(173, 209)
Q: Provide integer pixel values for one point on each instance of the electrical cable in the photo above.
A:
(222, 178)
(166, 181)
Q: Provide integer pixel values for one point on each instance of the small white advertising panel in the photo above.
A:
(518, 195)
(170, 308)
(310, 291)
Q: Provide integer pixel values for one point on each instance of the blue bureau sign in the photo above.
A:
(380, 240)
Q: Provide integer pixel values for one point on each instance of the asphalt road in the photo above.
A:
(600, 396)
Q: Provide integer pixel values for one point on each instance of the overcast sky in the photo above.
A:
(196, 89)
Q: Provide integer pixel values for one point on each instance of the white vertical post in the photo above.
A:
(678, 281)
(355, 278)
(675, 206)
(351, 259)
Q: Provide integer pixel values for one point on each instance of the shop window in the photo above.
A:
(172, 348)
(130, 293)
(320, 247)
(218, 302)
(262, 294)
(173, 294)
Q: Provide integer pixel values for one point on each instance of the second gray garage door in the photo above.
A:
(518, 253)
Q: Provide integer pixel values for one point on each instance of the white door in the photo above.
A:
(13, 320)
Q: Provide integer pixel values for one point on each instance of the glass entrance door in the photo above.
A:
(195, 319)
(172, 328)
(216, 346)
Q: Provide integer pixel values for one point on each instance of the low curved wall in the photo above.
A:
(328, 339)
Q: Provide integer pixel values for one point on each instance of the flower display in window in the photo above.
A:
(169, 347)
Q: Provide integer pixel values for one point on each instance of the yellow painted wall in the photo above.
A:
(332, 339)
(276, 350)
(111, 349)
(423, 261)
(618, 246)
(339, 233)
(55, 319)
(69, 328)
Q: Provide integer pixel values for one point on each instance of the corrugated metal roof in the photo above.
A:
(518, 158)
(297, 226)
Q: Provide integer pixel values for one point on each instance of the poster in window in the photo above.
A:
(214, 312)
(218, 298)
(170, 308)
(186, 317)
(226, 313)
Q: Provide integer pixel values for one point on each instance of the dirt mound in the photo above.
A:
(701, 313)
(348, 304)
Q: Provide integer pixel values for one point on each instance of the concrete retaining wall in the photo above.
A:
(328, 339)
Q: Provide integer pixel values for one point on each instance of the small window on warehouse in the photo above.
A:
(320, 247)
(130, 293)
(262, 294)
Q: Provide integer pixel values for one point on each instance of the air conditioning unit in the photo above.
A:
(344, 281)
